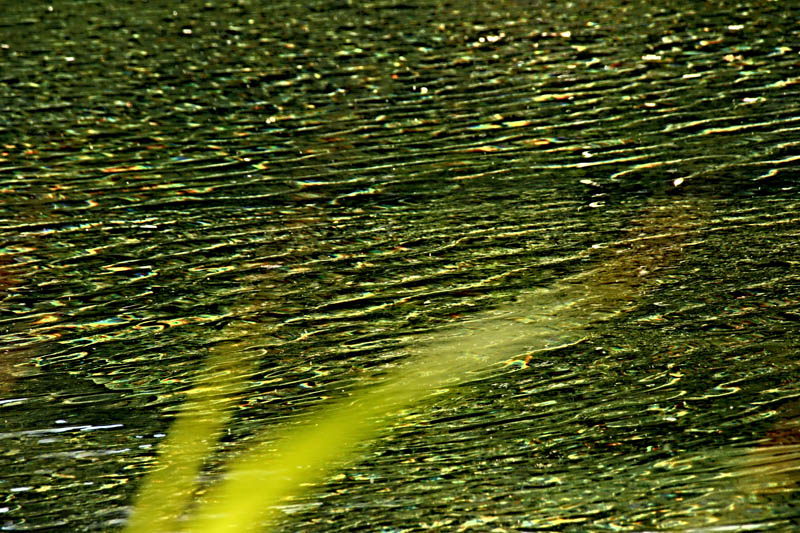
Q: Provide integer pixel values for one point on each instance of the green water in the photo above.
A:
(596, 202)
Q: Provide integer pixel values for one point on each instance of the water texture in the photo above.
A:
(586, 211)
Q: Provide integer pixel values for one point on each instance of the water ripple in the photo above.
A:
(601, 200)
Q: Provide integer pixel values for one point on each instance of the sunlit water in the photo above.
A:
(588, 213)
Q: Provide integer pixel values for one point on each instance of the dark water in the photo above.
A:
(332, 183)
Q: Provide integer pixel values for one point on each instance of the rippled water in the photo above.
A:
(600, 199)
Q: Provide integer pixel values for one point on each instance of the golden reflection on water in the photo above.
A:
(771, 469)
(735, 487)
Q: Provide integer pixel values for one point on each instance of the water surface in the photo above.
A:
(599, 200)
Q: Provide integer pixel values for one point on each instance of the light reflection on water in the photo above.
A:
(547, 319)
(595, 204)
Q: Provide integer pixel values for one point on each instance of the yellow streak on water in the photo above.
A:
(167, 490)
(272, 472)
(279, 467)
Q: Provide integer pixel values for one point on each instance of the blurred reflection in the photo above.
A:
(15, 351)
(772, 467)
(284, 462)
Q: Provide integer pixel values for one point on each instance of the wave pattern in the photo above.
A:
(336, 185)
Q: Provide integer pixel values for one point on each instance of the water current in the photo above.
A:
(581, 215)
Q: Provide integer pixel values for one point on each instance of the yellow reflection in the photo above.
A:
(169, 488)
(282, 466)
(773, 467)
